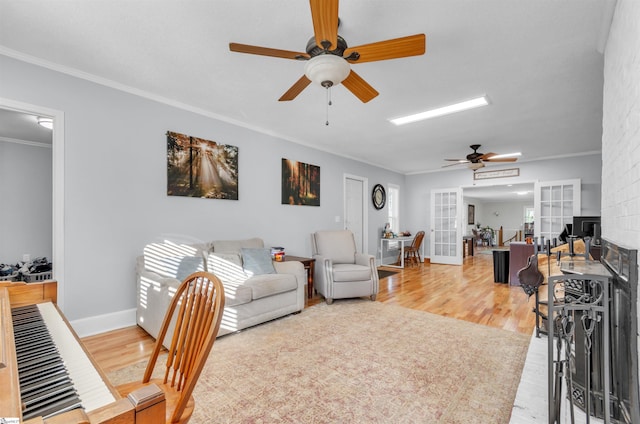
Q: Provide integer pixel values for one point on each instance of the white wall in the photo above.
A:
(510, 215)
(587, 168)
(621, 131)
(25, 196)
(115, 185)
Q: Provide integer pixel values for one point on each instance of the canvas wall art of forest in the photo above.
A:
(300, 183)
(201, 168)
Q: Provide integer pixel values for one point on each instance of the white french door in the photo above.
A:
(555, 204)
(446, 226)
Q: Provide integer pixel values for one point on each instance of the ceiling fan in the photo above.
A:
(476, 159)
(329, 58)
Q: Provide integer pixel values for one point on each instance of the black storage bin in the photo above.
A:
(501, 266)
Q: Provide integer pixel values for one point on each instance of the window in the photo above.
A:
(393, 206)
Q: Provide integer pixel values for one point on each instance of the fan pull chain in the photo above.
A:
(328, 104)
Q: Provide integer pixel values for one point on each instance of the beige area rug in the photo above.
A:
(358, 361)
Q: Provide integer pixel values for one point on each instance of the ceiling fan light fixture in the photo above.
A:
(476, 165)
(327, 70)
(441, 111)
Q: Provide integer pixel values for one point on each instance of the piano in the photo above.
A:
(47, 375)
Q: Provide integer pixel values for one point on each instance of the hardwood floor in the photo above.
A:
(464, 292)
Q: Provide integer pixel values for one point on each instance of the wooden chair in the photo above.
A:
(412, 253)
(477, 235)
(196, 310)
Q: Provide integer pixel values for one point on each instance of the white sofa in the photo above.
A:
(256, 289)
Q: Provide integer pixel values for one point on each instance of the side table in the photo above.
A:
(308, 264)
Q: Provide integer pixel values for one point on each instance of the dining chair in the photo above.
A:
(412, 252)
(196, 311)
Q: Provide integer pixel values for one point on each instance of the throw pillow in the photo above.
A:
(188, 265)
(257, 261)
(227, 267)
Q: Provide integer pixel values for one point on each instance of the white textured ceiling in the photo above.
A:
(536, 60)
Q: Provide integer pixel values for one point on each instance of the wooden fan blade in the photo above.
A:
(489, 157)
(295, 89)
(413, 45)
(325, 22)
(485, 156)
(454, 164)
(359, 87)
(500, 160)
(266, 51)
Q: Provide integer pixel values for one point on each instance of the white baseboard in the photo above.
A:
(102, 323)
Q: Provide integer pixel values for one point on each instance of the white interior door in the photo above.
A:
(355, 217)
(446, 226)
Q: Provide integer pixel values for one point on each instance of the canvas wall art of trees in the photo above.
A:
(300, 183)
(201, 168)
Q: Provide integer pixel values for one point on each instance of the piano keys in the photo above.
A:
(48, 373)
(45, 386)
(53, 369)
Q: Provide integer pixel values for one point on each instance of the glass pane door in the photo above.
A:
(446, 230)
(556, 203)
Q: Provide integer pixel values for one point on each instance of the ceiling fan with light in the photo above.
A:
(329, 58)
(476, 159)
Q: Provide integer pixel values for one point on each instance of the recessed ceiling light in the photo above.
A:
(445, 110)
(45, 122)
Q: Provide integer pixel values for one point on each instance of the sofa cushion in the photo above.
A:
(265, 285)
(172, 260)
(236, 245)
(236, 293)
(178, 267)
(257, 261)
(339, 246)
(226, 266)
(188, 265)
(351, 272)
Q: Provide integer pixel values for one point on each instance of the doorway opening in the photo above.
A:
(56, 180)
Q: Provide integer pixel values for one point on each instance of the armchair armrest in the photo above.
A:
(370, 261)
(324, 273)
(365, 259)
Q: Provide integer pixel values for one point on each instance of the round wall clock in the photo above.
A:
(378, 196)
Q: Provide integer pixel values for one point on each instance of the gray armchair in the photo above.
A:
(340, 271)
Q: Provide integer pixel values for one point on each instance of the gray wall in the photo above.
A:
(510, 215)
(25, 196)
(587, 168)
(115, 185)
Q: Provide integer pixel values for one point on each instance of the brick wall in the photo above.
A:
(621, 130)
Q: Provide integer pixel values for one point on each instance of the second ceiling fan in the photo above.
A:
(329, 58)
(476, 159)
